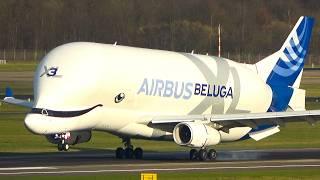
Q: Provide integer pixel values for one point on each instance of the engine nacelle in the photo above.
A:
(195, 134)
(76, 137)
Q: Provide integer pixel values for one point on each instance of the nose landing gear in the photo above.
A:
(128, 151)
(62, 144)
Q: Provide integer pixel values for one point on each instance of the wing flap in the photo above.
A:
(258, 135)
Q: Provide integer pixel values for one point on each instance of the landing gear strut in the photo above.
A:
(128, 151)
(63, 145)
(203, 154)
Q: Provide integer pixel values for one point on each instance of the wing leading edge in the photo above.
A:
(252, 120)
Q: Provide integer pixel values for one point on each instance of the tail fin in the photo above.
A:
(282, 70)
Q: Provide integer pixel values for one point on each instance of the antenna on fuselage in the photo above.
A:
(192, 51)
(115, 43)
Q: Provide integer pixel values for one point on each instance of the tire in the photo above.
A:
(203, 155)
(60, 147)
(212, 154)
(193, 154)
(128, 153)
(66, 147)
(138, 153)
(119, 153)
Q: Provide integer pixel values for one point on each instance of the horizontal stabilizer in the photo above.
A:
(297, 101)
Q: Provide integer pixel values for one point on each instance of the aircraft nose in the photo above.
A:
(43, 121)
(33, 124)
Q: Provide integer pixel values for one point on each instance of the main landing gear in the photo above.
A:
(203, 154)
(63, 145)
(128, 151)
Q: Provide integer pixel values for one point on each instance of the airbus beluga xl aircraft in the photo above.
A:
(194, 100)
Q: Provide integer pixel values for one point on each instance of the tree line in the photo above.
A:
(248, 26)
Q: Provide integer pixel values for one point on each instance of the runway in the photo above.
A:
(104, 162)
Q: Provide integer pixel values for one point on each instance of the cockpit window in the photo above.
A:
(62, 114)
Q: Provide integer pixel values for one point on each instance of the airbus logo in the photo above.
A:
(50, 72)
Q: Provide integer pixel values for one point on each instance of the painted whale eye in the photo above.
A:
(119, 97)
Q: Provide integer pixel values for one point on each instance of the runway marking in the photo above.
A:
(25, 168)
(160, 169)
(188, 163)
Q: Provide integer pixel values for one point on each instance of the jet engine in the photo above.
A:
(195, 134)
(76, 137)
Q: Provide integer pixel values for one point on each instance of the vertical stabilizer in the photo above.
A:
(283, 70)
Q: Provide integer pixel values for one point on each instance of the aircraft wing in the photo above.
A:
(253, 120)
(19, 102)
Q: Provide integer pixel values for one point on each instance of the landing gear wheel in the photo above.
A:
(119, 153)
(212, 154)
(60, 147)
(138, 153)
(65, 147)
(128, 153)
(62, 143)
(193, 154)
(202, 155)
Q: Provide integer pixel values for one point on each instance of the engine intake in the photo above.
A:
(195, 134)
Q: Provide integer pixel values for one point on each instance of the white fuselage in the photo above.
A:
(154, 82)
